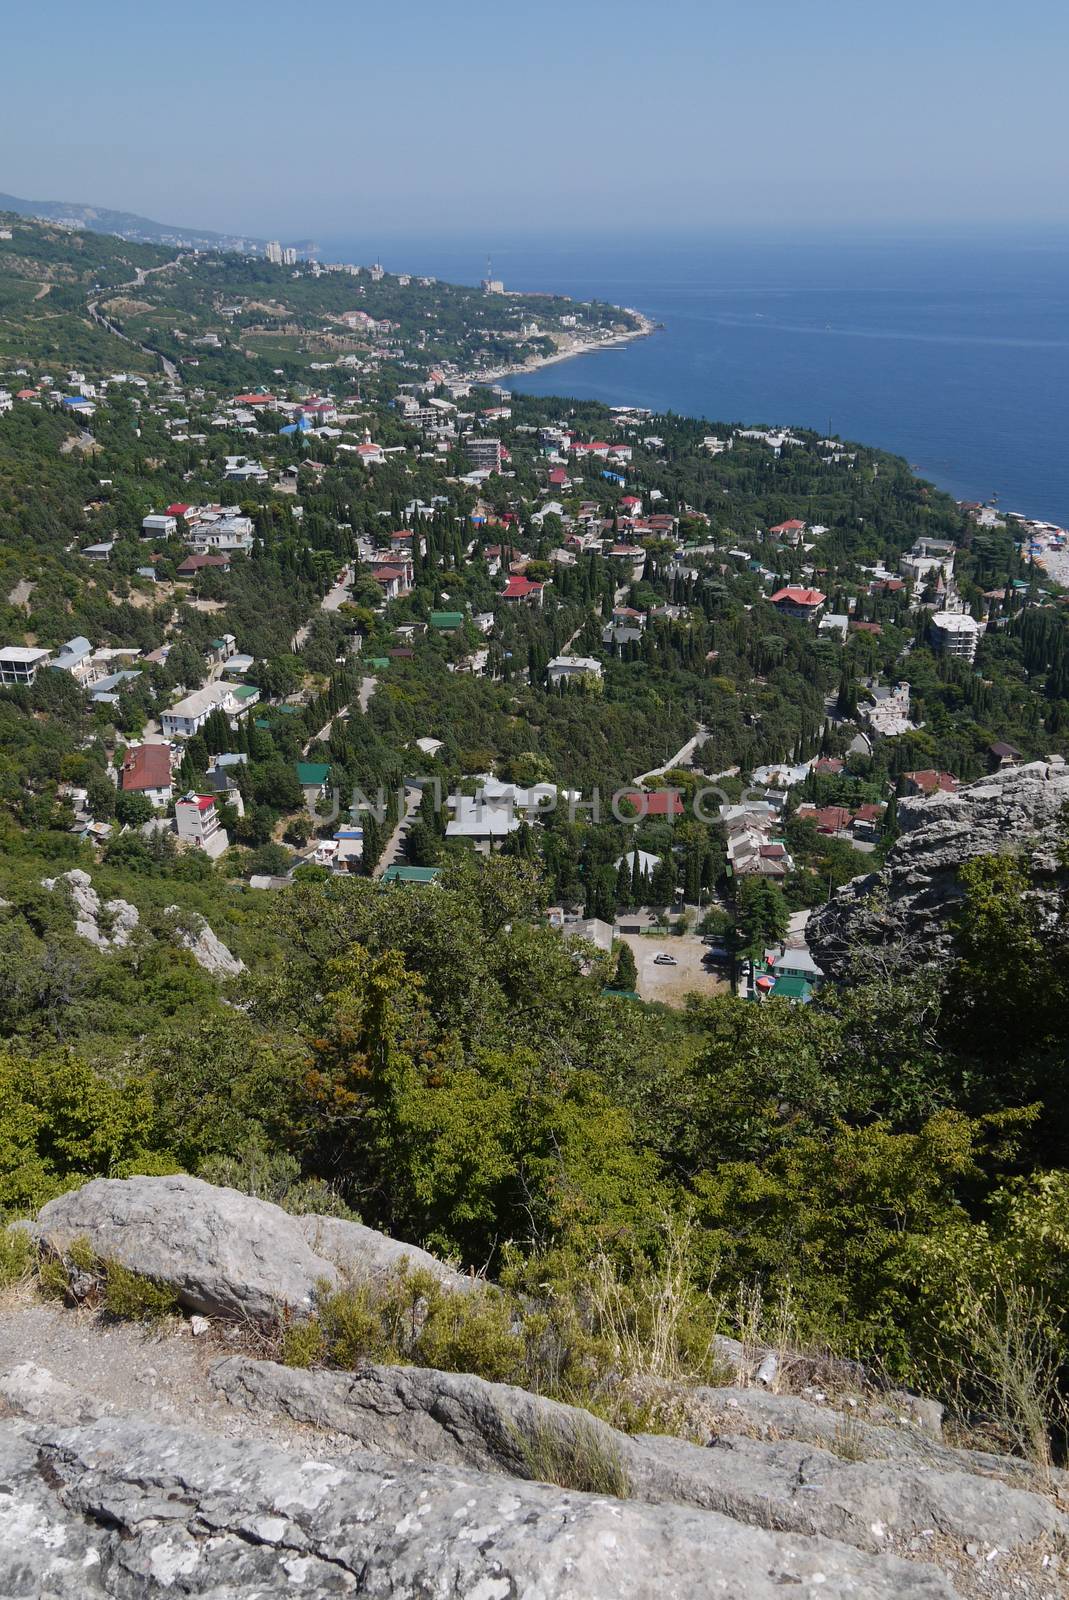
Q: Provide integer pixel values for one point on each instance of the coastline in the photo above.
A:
(574, 348)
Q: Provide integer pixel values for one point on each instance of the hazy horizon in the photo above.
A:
(269, 123)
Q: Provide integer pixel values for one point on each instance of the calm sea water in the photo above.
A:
(952, 351)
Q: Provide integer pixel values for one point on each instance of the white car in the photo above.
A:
(664, 960)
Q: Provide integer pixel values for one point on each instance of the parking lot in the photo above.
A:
(671, 985)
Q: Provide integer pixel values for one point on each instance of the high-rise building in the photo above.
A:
(274, 253)
(955, 633)
(484, 455)
(289, 256)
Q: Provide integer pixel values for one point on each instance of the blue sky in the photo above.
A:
(413, 117)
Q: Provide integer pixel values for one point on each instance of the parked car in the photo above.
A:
(664, 960)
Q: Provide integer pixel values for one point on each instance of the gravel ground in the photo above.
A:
(122, 1367)
(671, 985)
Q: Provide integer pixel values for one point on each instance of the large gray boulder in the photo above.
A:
(128, 1508)
(904, 911)
(464, 1421)
(224, 1253)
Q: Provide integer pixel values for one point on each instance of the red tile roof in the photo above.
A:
(657, 803)
(519, 588)
(798, 597)
(928, 781)
(147, 766)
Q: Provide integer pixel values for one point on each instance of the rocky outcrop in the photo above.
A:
(904, 911)
(127, 1507)
(119, 917)
(464, 1421)
(206, 948)
(224, 1253)
(136, 1464)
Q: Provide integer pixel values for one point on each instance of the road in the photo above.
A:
(363, 700)
(169, 368)
(395, 844)
(682, 758)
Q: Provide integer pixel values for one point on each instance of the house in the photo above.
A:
(76, 657)
(313, 777)
(239, 469)
(566, 669)
(791, 531)
(928, 781)
(194, 564)
(146, 770)
(220, 650)
(655, 802)
(796, 602)
(831, 820)
(187, 716)
(350, 848)
(1004, 756)
(409, 875)
(446, 621)
(647, 862)
(159, 526)
(481, 820)
(390, 580)
(889, 713)
(99, 552)
(198, 824)
(19, 665)
(522, 589)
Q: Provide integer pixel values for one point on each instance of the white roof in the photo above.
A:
(22, 653)
(955, 622)
(200, 701)
(574, 664)
(475, 820)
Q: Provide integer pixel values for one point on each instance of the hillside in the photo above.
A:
(123, 224)
(619, 853)
(383, 1470)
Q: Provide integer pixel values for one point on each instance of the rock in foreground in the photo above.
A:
(224, 1253)
(130, 1508)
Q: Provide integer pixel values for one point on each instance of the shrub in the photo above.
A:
(133, 1298)
(578, 1458)
(17, 1257)
(302, 1344)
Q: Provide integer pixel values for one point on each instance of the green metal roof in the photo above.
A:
(399, 874)
(378, 661)
(446, 621)
(792, 989)
(245, 691)
(312, 774)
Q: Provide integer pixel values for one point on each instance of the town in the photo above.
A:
(496, 613)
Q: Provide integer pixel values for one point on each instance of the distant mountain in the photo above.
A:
(126, 225)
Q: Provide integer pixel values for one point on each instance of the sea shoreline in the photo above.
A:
(580, 347)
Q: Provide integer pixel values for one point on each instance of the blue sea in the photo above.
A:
(950, 350)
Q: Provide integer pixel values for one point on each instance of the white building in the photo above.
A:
(188, 716)
(158, 525)
(19, 664)
(198, 824)
(568, 667)
(954, 633)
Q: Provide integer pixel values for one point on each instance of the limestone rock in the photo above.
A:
(28, 1390)
(904, 910)
(121, 918)
(224, 1253)
(206, 948)
(365, 1255)
(464, 1421)
(125, 1507)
